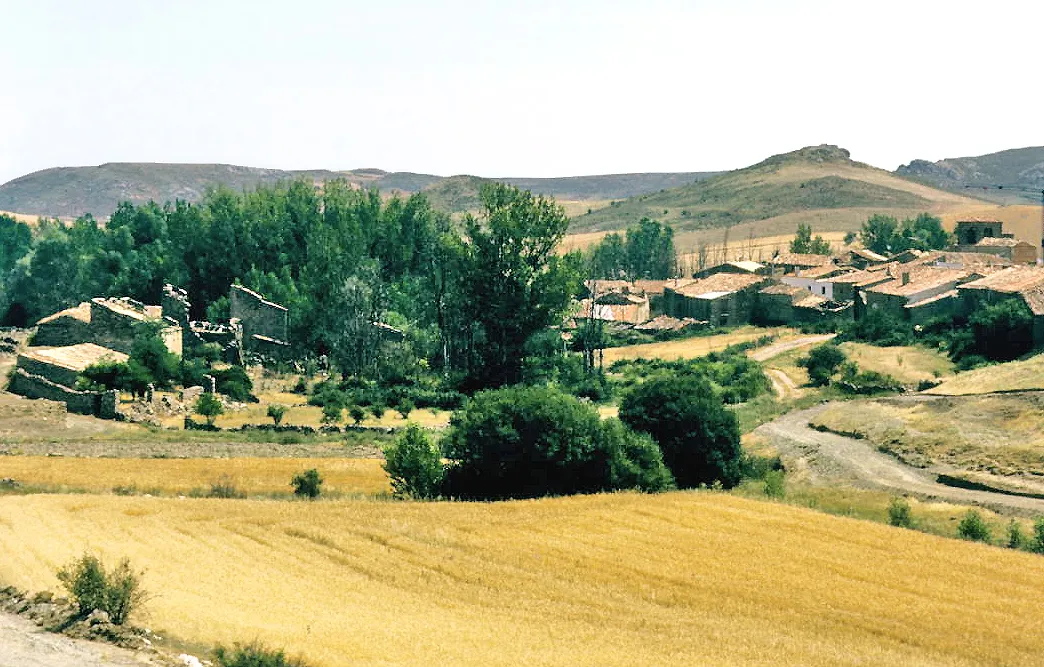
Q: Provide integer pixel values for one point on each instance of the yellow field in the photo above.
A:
(909, 365)
(174, 476)
(690, 348)
(300, 413)
(1012, 376)
(675, 579)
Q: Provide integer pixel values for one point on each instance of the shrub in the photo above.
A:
(822, 363)
(117, 592)
(775, 484)
(414, 464)
(899, 513)
(404, 407)
(1016, 538)
(254, 655)
(332, 413)
(973, 527)
(276, 413)
(524, 442)
(1037, 545)
(357, 414)
(224, 487)
(699, 437)
(234, 383)
(209, 406)
(377, 410)
(307, 484)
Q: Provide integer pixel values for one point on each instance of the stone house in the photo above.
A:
(622, 307)
(846, 286)
(108, 322)
(972, 230)
(814, 279)
(911, 286)
(265, 324)
(861, 258)
(52, 372)
(790, 304)
(724, 298)
(738, 266)
(789, 262)
(1025, 283)
(1013, 250)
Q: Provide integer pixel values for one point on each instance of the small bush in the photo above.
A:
(1016, 538)
(276, 413)
(1037, 545)
(822, 362)
(332, 413)
(307, 484)
(404, 407)
(775, 484)
(414, 464)
(254, 655)
(209, 406)
(377, 410)
(899, 513)
(224, 487)
(973, 527)
(117, 592)
(357, 414)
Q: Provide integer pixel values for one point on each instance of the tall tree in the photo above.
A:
(803, 242)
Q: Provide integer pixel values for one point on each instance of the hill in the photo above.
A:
(819, 184)
(73, 191)
(616, 579)
(1019, 166)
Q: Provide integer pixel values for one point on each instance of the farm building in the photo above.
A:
(108, 322)
(846, 286)
(972, 230)
(52, 372)
(790, 304)
(739, 266)
(265, 324)
(861, 258)
(1013, 250)
(813, 279)
(1018, 282)
(911, 286)
(789, 262)
(724, 298)
(623, 307)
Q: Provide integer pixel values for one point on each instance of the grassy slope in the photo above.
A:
(1019, 166)
(908, 364)
(681, 578)
(820, 185)
(1012, 376)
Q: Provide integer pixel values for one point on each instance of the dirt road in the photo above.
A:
(781, 383)
(769, 351)
(23, 644)
(827, 456)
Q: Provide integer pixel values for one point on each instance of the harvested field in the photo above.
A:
(1012, 376)
(253, 476)
(680, 578)
(690, 348)
(908, 364)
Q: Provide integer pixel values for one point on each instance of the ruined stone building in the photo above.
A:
(723, 298)
(52, 372)
(109, 322)
(265, 324)
(195, 333)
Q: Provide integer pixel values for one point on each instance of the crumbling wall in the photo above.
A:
(62, 331)
(31, 385)
(52, 372)
(257, 316)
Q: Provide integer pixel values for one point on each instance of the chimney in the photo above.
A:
(906, 277)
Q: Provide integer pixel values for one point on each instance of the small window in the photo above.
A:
(824, 291)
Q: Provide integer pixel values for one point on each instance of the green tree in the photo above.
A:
(276, 413)
(414, 464)
(117, 592)
(307, 484)
(878, 233)
(513, 283)
(973, 527)
(650, 250)
(209, 406)
(1003, 330)
(803, 242)
(698, 435)
(609, 258)
(822, 363)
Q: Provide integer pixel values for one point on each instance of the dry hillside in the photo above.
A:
(624, 579)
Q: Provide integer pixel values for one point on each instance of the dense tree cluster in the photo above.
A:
(885, 235)
(803, 242)
(646, 251)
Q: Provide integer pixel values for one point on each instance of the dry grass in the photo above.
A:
(299, 413)
(682, 578)
(689, 348)
(1012, 376)
(253, 476)
(1002, 435)
(909, 365)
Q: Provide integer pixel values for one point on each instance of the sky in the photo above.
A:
(505, 88)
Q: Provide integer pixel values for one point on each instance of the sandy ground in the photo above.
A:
(24, 644)
(828, 457)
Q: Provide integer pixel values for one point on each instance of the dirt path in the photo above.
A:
(831, 456)
(782, 384)
(24, 644)
(769, 351)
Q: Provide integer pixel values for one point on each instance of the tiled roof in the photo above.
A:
(952, 294)
(789, 290)
(975, 259)
(1010, 280)
(810, 301)
(817, 271)
(979, 220)
(801, 259)
(720, 282)
(868, 254)
(998, 242)
(920, 280)
(858, 278)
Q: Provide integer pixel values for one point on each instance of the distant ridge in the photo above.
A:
(74, 191)
(1018, 166)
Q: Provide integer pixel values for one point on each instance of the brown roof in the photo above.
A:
(81, 312)
(651, 287)
(920, 280)
(867, 254)
(801, 259)
(74, 357)
(620, 299)
(817, 271)
(1012, 280)
(975, 219)
(999, 242)
(720, 282)
(810, 301)
(952, 294)
(789, 290)
(858, 278)
(976, 259)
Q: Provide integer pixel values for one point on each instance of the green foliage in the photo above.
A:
(254, 655)
(307, 484)
(1001, 331)
(899, 513)
(878, 327)
(117, 592)
(822, 363)
(646, 253)
(885, 235)
(973, 527)
(357, 414)
(699, 437)
(855, 381)
(733, 375)
(804, 243)
(332, 413)
(404, 406)
(225, 487)
(1016, 538)
(276, 413)
(414, 464)
(522, 442)
(775, 484)
(1037, 545)
(208, 405)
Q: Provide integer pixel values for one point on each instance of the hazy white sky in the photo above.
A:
(512, 88)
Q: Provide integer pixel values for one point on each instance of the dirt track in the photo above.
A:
(769, 351)
(827, 456)
(23, 644)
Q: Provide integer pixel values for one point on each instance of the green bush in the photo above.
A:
(973, 527)
(1037, 545)
(775, 484)
(225, 487)
(404, 407)
(899, 513)
(414, 464)
(822, 363)
(699, 437)
(276, 413)
(524, 442)
(209, 406)
(332, 413)
(117, 592)
(1016, 538)
(254, 655)
(357, 414)
(307, 484)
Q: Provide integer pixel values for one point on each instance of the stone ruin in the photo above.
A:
(195, 333)
(265, 324)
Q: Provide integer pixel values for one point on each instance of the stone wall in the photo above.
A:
(36, 386)
(52, 372)
(61, 332)
(257, 316)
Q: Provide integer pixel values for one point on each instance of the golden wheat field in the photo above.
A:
(625, 579)
(173, 476)
(690, 348)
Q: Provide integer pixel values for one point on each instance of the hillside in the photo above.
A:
(609, 580)
(821, 184)
(1019, 166)
(73, 191)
